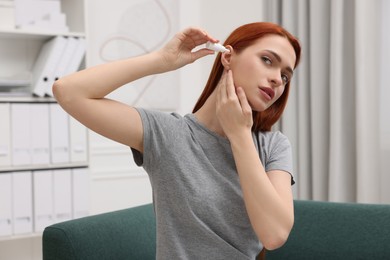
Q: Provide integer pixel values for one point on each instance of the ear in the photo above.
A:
(226, 57)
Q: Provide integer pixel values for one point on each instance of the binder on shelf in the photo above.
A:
(78, 141)
(59, 134)
(77, 57)
(22, 202)
(5, 135)
(40, 146)
(43, 199)
(48, 58)
(80, 182)
(5, 204)
(21, 135)
(64, 61)
(62, 184)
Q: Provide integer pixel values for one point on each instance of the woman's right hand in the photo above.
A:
(178, 51)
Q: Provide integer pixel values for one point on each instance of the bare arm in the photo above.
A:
(268, 196)
(82, 94)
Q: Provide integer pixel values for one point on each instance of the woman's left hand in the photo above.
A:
(232, 108)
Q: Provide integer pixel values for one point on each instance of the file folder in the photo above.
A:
(59, 134)
(5, 204)
(21, 134)
(5, 135)
(77, 57)
(40, 145)
(63, 63)
(80, 182)
(43, 200)
(44, 67)
(78, 141)
(62, 195)
(22, 202)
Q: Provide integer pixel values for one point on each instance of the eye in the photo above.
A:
(266, 60)
(285, 78)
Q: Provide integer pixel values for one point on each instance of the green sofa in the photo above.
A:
(322, 230)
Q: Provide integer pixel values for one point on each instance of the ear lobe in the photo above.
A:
(226, 57)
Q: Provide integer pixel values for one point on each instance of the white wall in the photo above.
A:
(115, 182)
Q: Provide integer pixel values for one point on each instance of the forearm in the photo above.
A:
(98, 81)
(271, 215)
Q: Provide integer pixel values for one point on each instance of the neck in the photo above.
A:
(206, 115)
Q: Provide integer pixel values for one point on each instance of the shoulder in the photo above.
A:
(162, 119)
(275, 145)
(149, 114)
(274, 138)
(162, 125)
(278, 152)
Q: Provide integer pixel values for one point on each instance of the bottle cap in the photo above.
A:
(216, 47)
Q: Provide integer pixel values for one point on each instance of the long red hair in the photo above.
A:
(239, 39)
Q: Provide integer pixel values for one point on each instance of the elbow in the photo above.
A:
(56, 89)
(61, 92)
(276, 241)
(277, 238)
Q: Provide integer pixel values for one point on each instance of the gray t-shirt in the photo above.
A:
(199, 207)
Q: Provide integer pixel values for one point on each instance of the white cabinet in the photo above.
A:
(35, 138)
(19, 48)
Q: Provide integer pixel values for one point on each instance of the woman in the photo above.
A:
(221, 179)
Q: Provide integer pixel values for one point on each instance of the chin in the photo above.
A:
(260, 107)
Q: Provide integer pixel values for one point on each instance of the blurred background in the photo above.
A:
(337, 118)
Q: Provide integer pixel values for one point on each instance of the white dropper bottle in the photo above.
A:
(216, 47)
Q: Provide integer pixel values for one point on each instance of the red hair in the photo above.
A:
(239, 39)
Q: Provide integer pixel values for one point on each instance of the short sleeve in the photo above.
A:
(158, 136)
(280, 155)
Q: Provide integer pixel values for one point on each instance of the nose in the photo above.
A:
(275, 79)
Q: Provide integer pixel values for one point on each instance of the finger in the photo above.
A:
(219, 89)
(230, 89)
(222, 87)
(198, 34)
(201, 53)
(243, 100)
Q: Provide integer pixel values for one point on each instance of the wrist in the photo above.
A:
(241, 139)
(165, 60)
(157, 62)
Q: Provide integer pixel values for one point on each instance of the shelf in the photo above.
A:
(19, 237)
(37, 34)
(4, 98)
(25, 99)
(43, 167)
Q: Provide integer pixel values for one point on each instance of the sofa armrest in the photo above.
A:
(329, 230)
(123, 234)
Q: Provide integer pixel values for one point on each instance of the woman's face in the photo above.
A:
(263, 69)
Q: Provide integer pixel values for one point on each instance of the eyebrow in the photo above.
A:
(280, 60)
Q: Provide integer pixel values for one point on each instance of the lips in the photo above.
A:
(268, 92)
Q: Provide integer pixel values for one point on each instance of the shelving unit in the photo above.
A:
(18, 51)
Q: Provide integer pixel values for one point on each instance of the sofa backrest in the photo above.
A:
(327, 230)
(123, 234)
(322, 230)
